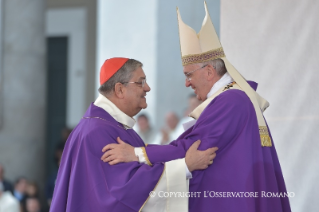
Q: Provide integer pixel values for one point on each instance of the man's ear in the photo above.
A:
(211, 72)
(119, 90)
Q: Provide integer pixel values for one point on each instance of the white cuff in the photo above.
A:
(139, 153)
(177, 184)
(188, 173)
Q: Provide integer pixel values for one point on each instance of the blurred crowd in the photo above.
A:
(24, 195)
(172, 129)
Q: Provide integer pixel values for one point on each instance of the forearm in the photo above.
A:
(165, 153)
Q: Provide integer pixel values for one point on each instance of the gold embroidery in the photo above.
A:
(146, 157)
(203, 57)
(264, 136)
(229, 86)
(263, 130)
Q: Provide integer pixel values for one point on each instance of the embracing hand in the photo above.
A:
(196, 159)
(117, 153)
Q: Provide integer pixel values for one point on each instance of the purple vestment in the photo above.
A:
(85, 183)
(241, 165)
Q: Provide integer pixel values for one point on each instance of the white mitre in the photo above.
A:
(205, 46)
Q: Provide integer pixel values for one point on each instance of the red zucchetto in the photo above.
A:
(110, 67)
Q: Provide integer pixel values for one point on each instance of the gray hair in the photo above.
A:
(218, 65)
(124, 74)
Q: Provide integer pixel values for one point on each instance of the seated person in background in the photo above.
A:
(193, 102)
(7, 186)
(7, 201)
(33, 204)
(168, 132)
(32, 189)
(145, 131)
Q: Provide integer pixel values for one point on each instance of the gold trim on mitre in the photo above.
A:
(205, 46)
(203, 57)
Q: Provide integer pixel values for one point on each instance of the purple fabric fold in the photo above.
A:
(85, 183)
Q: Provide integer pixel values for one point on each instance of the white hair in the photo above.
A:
(218, 65)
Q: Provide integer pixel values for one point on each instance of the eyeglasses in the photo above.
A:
(141, 83)
(187, 75)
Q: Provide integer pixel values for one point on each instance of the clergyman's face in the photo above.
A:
(135, 93)
(198, 80)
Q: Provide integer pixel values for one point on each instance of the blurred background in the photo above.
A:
(51, 52)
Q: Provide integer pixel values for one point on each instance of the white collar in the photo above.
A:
(114, 111)
(223, 81)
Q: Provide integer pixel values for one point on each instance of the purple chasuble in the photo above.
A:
(85, 183)
(241, 165)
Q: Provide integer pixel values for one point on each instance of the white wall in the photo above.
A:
(72, 23)
(129, 31)
(276, 43)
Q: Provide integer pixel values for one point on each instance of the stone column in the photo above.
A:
(22, 144)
